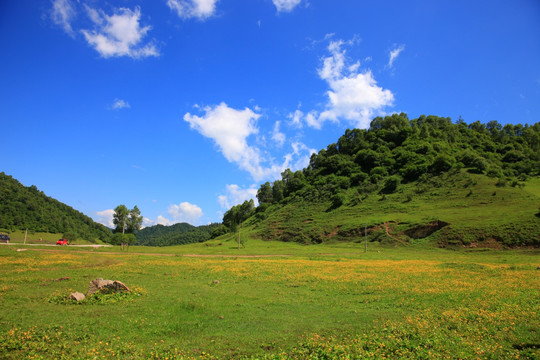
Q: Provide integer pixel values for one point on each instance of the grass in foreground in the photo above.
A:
(394, 303)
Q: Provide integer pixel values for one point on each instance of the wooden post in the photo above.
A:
(25, 233)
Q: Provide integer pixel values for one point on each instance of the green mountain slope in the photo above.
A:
(28, 208)
(177, 234)
(408, 181)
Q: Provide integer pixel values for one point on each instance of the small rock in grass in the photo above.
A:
(76, 296)
(106, 285)
(215, 282)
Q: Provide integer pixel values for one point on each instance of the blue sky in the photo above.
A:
(184, 107)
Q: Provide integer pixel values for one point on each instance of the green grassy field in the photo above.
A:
(32, 237)
(317, 302)
(473, 206)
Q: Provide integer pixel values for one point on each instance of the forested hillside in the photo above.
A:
(401, 174)
(177, 234)
(28, 208)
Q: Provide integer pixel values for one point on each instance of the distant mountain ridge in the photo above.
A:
(177, 234)
(24, 207)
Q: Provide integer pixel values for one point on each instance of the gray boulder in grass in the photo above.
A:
(106, 286)
(77, 296)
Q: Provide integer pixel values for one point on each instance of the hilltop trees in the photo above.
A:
(396, 150)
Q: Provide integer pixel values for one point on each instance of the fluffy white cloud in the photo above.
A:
(159, 221)
(119, 34)
(235, 195)
(296, 118)
(105, 217)
(120, 104)
(353, 96)
(286, 5)
(63, 14)
(394, 54)
(185, 212)
(230, 129)
(277, 135)
(201, 9)
(299, 158)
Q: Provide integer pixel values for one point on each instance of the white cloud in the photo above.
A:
(296, 118)
(235, 195)
(105, 217)
(353, 96)
(302, 153)
(119, 34)
(162, 221)
(120, 104)
(201, 9)
(312, 119)
(185, 212)
(277, 135)
(230, 129)
(394, 55)
(63, 14)
(286, 5)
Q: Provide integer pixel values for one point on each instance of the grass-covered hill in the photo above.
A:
(24, 207)
(408, 181)
(177, 234)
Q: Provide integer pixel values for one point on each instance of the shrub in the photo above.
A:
(494, 172)
(442, 163)
(391, 184)
(337, 200)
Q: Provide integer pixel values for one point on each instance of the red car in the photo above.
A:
(62, 242)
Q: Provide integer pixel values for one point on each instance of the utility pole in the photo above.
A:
(25, 233)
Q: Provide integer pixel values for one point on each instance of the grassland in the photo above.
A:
(318, 302)
(475, 208)
(36, 237)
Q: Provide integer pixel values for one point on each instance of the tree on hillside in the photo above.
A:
(238, 213)
(264, 194)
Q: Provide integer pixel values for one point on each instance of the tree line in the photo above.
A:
(177, 234)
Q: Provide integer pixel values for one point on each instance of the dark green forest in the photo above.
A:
(177, 234)
(24, 207)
